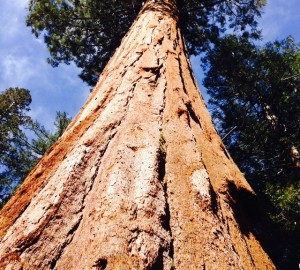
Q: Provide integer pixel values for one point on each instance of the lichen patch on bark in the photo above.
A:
(200, 180)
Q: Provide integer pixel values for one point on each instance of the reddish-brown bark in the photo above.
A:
(140, 179)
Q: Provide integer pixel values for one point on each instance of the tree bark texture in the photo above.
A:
(140, 179)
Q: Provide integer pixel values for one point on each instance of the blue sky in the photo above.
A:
(23, 58)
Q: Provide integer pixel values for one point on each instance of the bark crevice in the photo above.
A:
(193, 115)
(101, 264)
(166, 221)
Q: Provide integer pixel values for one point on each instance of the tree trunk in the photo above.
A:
(140, 179)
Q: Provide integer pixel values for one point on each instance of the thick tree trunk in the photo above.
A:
(140, 179)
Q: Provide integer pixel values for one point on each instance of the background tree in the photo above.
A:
(45, 138)
(18, 153)
(88, 32)
(255, 100)
(14, 105)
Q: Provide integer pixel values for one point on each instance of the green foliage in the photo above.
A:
(88, 32)
(18, 154)
(256, 91)
(14, 104)
(287, 201)
(44, 138)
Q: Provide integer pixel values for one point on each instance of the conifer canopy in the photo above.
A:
(87, 32)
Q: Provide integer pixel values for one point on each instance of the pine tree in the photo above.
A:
(255, 100)
(18, 153)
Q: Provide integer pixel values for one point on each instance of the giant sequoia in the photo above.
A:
(140, 179)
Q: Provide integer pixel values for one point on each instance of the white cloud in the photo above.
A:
(21, 3)
(12, 17)
(280, 19)
(16, 71)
